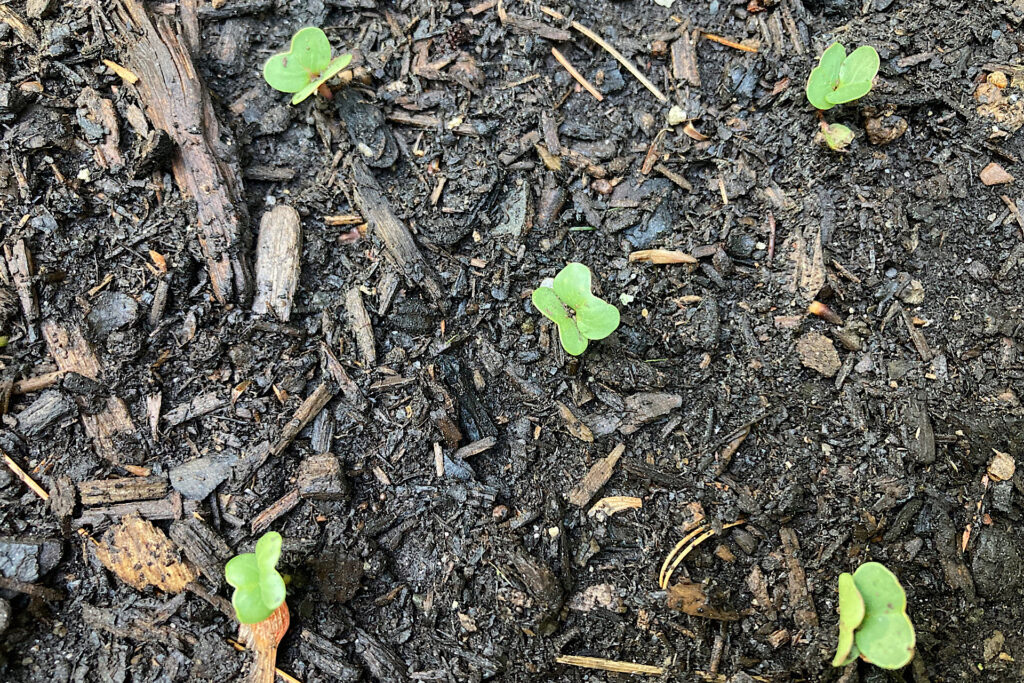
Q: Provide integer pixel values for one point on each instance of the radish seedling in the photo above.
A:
(579, 315)
(259, 588)
(306, 66)
(839, 78)
(873, 621)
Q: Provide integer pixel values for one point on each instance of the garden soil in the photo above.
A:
(439, 520)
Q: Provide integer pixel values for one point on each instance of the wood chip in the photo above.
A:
(106, 491)
(613, 504)
(684, 60)
(320, 478)
(804, 614)
(142, 556)
(994, 174)
(203, 547)
(362, 328)
(475, 448)
(610, 665)
(305, 414)
(660, 256)
(126, 75)
(1002, 466)
(73, 354)
(278, 508)
(573, 423)
(278, 252)
(19, 262)
(817, 352)
(597, 477)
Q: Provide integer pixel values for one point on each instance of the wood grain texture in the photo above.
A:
(205, 166)
(278, 252)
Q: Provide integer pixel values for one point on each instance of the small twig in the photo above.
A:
(728, 43)
(37, 383)
(610, 50)
(27, 480)
(610, 665)
(771, 236)
(577, 75)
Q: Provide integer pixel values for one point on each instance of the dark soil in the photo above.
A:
(488, 572)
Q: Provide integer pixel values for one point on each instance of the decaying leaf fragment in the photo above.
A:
(689, 598)
(141, 555)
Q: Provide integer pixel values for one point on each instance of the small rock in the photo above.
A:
(993, 645)
(912, 294)
(112, 311)
(196, 479)
(994, 174)
(28, 559)
(818, 353)
(676, 115)
(998, 79)
(1002, 466)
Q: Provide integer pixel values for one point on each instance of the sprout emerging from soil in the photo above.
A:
(587, 318)
(259, 588)
(839, 78)
(837, 136)
(306, 66)
(873, 621)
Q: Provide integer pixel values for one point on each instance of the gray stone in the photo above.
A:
(997, 566)
(112, 311)
(27, 559)
(196, 479)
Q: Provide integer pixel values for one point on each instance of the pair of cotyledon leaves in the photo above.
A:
(259, 588)
(839, 78)
(873, 621)
(591, 318)
(306, 66)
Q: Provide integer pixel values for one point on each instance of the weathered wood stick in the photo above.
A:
(374, 206)
(278, 250)
(205, 166)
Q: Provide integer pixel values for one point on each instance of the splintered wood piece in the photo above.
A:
(916, 336)
(674, 177)
(661, 256)
(202, 546)
(684, 60)
(106, 491)
(19, 261)
(475, 448)
(162, 509)
(37, 383)
(23, 30)
(610, 665)
(205, 166)
(689, 598)
(199, 405)
(349, 389)
(305, 413)
(320, 478)
(362, 328)
(597, 477)
(263, 638)
(574, 424)
(278, 252)
(100, 111)
(142, 556)
(279, 507)
(372, 204)
(804, 614)
(613, 504)
(73, 354)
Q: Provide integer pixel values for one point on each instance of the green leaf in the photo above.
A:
(572, 285)
(851, 614)
(337, 65)
(249, 605)
(304, 62)
(837, 136)
(824, 78)
(259, 588)
(596, 318)
(241, 571)
(886, 636)
(860, 67)
(268, 551)
(547, 302)
(848, 92)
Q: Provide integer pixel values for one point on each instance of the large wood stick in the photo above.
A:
(374, 206)
(205, 166)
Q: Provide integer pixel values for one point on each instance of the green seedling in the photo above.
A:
(837, 136)
(579, 315)
(306, 66)
(873, 621)
(259, 588)
(839, 78)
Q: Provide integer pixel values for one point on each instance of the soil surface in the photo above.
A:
(885, 427)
